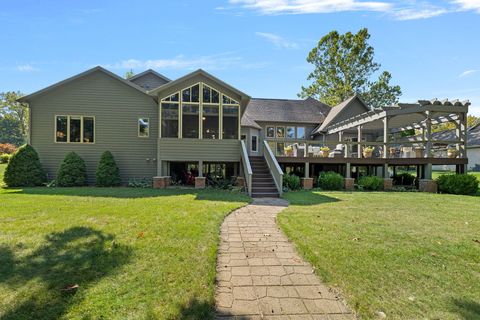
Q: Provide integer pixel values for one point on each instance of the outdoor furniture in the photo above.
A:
(337, 152)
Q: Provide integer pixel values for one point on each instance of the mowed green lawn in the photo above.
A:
(134, 253)
(409, 255)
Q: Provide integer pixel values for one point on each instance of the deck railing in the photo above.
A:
(368, 149)
(274, 167)
(247, 168)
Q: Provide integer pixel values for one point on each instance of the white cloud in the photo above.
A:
(212, 62)
(468, 4)
(311, 6)
(418, 12)
(277, 40)
(26, 68)
(467, 73)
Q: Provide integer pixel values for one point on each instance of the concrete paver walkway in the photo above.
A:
(261, 276)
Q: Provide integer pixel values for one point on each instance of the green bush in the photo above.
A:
(457, 184)
(4, 158)
(140, 183)
(372, 183)
(291, 182)
(403, 179)
(108, 174)
(72, 171)
(24, 169)
(330, 181)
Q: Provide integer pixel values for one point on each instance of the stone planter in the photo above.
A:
(324, 153)
(452, 153)
(367, 153)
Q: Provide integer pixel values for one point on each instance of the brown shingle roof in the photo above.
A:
(284, 110)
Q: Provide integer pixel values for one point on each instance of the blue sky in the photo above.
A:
(432, 48)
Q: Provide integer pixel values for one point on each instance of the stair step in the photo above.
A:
(265, 195)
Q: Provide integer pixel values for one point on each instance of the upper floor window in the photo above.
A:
(200, 111)
(74, 129)
(280, 132)
(300, 132)
(291, 132)
(270, 132)
(143, 127)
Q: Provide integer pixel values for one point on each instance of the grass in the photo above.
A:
(409, 255)
(135, 253)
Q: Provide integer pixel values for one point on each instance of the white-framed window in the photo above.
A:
(74, 129)
(300, 132)
(290, 133)
(280, 132)
(143, 127)
(200, 111)
(254, 143)
(270, 131)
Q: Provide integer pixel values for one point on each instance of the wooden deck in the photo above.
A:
(374, 161)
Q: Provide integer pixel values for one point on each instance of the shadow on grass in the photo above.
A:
(78, 255)
(308, 198)
(132, 193)
(196, 309)
(467, 309)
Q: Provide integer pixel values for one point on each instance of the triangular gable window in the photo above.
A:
(228, 100)
(172, 98)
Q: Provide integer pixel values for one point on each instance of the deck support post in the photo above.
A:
(307, 169)
(385, 137)
(461, 133)
(427, 173)
(160, 168)
(348, 170)
(200, 168)
(359, 140)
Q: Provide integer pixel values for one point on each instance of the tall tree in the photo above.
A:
(129, 74)
(344, 66)
(471, 121)
(14, 118)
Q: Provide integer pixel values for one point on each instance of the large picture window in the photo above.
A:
(210, 122)
(170, 120)
(74, 129)
(230, 122)
(190, 120)
(199, 111)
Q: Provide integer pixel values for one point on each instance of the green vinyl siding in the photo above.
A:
(116, 108)
(171, 149)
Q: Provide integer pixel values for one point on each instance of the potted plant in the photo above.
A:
(452, 152)
(288, 151)
(324, 152)
(367, 152)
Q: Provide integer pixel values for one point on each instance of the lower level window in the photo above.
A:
(75, 129)
(254, 145)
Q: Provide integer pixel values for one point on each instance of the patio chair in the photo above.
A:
(337, 152)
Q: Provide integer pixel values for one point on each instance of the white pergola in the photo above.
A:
(420, 116)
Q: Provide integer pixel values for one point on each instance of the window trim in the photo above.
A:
(138, 128)
(68, 129)
(251, 143)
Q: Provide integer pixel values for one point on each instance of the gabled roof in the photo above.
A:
(78, 76)
(337, 110)
(284, 110)
(155, 91)
(473, 136)
(149, 79)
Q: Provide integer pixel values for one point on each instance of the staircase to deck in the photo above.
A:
(263, 185)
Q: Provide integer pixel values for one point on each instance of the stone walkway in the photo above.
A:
(261, 276)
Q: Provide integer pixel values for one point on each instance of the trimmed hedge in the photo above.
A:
(72, 171)
(403, 179)
(330, 181)
(108, 174)
(466, 184)
(291, 181)
(372, 183)
(24, 169)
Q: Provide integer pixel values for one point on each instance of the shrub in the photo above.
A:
(372, 183)
(7, 148)
(220, 183)
(4, 158)
(108, 174)
(403, 179)
(140, 183)
(72, 171)
(457, 184)
(24, 168)
(330, 181)
(291, 182)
